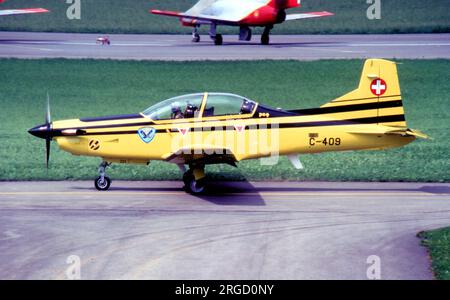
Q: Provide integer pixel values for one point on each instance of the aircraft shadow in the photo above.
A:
(220, 193)
(275, 45)
(432, 189)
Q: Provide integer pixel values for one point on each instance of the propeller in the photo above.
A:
(48, 124)
(45, 131)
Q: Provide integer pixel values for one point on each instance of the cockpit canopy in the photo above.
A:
(194, 105)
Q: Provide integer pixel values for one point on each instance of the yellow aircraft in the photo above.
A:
(210, 128)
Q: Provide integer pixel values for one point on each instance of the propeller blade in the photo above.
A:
(47, 149)
(48, 118)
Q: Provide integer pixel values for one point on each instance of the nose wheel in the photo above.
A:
(102, 182)
(195, 35)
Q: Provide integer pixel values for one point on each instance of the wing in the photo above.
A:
(317, 14)
(191, 18)
(208, 155)
(8, 12)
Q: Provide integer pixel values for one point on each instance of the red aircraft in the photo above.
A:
(242, 13)
(7, 12)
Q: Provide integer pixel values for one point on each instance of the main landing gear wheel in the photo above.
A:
(218, 40)
(248, 38)
(193, 186)
(265, 39)
(102, 184)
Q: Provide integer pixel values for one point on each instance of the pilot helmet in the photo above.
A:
(247, 107)
(175, 107)
(190, 110)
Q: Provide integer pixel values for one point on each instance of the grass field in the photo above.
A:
(94, 88)
(118, 16)
(438, 244)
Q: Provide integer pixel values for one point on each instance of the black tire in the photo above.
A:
(191, 185)
(265, 39)
(248, 38)
(218, 40)
(102, 185)
(187, 177)
(196, 38)
(196, 187)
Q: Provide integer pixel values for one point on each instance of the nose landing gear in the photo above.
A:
(102, 182)
(195, 35)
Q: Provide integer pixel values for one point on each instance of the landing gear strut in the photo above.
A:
(194, 179)
(265, 37)
(217, 38)
(195, 35)
(102, 182)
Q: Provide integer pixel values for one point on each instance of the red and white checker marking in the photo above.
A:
(378, 87)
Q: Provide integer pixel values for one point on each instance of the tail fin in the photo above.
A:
(284, 4)
(377, 100)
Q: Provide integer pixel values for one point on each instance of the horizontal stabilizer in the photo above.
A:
(195, 18)
(402, 132)
(317, 14)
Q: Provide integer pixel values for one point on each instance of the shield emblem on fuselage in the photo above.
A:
(147, 134)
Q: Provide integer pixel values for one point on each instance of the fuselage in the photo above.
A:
(262, 132)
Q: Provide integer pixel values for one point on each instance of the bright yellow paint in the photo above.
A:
(129, 148)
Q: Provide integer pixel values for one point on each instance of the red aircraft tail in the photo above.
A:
(284, 3)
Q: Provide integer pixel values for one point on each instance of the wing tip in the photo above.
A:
(164, 12)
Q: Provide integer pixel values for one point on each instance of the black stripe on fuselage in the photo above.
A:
(348, 108)
(368, 98)
(300, 112)
(371, 120)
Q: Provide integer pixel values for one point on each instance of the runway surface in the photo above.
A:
(265, 230)
(179, 47)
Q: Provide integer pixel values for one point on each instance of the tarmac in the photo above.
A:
(180, 47)
(240, 230)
